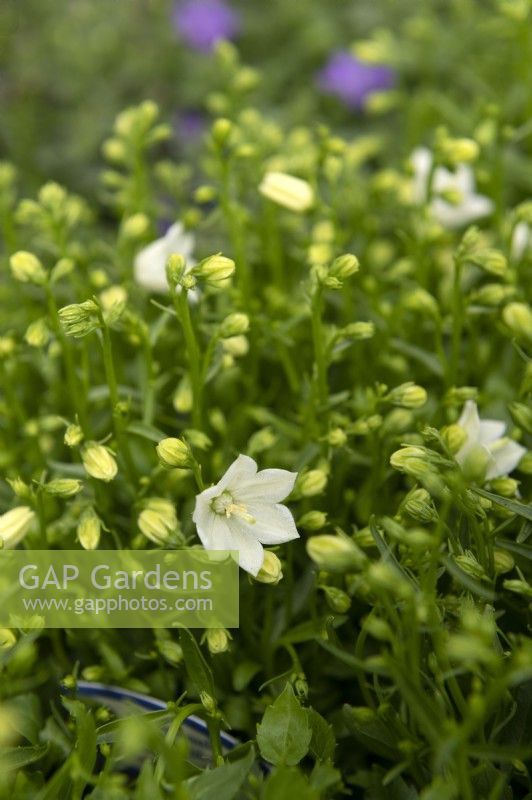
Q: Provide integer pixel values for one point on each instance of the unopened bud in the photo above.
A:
(335, 553)
(136, 226)
(158, 519)
(183, 397)
(63, 487)
(79, 319)
(73, 435)
(37, 334)
(234, 325)
(217, 640)
(522, 415)
(458, 151)
(312, 482)
(175, 269)
(454, 437)
(418, 504)
(271, 571)
(14, 526)
(26, 268)
(221, 131)
(99, 463)
(408, 395)
(358, 330)
(89, 529)
(337, 437)
(344, 266)
(215, 269)
(171, 651)
(288, 191)
(174, 453)
(313, 521)
(420, 301)
(469, 564)
(506, 487)
(338, 600)
(502, 562)
(518, 317)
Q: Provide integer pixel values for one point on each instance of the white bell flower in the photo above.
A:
(486, 447)
(150, 262)
(243, 512)
(467, 205)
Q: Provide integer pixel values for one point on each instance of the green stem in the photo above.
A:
(213, 725)
(149, 388)
(318, 339)
(458, 323)
(193, 353)
(274, 246)
(113, 393)
(68, 359)
(237, 233)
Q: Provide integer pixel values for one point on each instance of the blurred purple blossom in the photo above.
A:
(203, 23)
(351, 80)
(190, 125)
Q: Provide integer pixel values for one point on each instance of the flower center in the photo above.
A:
(225, 505)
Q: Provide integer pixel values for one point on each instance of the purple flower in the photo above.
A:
(202, 23)
(349, 79)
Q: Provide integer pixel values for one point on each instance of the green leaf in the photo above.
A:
(198, 670)
(374, 733)
(18, 757)
(145, 431)
(509, 505)
(222, 783)
(469, 583)
(524, 550)
(27, 717)
(322, 743)
(424, 357)
(288, 783)
(243, 673)
(109, 731)
(284, 734)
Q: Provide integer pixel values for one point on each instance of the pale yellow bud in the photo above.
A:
(37, 334)
(234, 325)
(73, 435)
(312, 482)
(337, 437)
(14, 526)
(183, 397)
(454, 437)
(271, 571)
(313, 521)
(26, 268)
(63, 487)
(358, 330)
(89, 529)
(502, 562)
(171, 651)
(7, 639)
(458, 151)
(288, 191)
(99, 463)
(174, 453)
(136, 226)
(217, 640)
(236, 346)
(344, 266)
(335, 553)
(158, 519)
(408, 395)
(215, 269)
(518, 317)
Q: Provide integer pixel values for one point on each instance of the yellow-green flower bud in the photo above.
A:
(7, 640)
(183, 397)
(519, 587)
(215, 269)
(458, 151)
(397, 421)
(453, 436)
(14, 526)
(198, 439)
(205, 194)
(418, 504)
(7, 346)
(312, 482)
(221, 131)
(335, 553)
(337, 599)
(378, 628)
(79, 319)
(20, 488)
(89, 529)
(337, 437)
(174, 453)
(525, 465)
(420, 301)
(63, 487)
(518, 317)
(502, 562)
(271, 571)
(382, 576)
(99, 463)
(236, 346)
(344, 266)
(73, 435)
(408, 395)
(492, 294)
(522, 415)
(26, 268)
(208, 702)
(469, 564)
(358, 330)
(37, 334)
(217, 640)
(158, 519)
(261, 440)
(136, 226)
(490, 260)
(506, 487)
(234, 325)
(171, 651)
(313, 521)
(175, 269)
(114, 150)
(287, 191)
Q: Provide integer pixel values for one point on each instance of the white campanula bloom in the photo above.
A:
(466, 206)
(486, 452)
(521, 240)
(243, 512)
(150, 262)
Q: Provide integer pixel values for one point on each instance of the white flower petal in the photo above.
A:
(177, 240)
(507, 455)
(150, 267)
(521, 239)
(241, 471)
(274, 524)
(491, 430)
(267, 486)
(213, 529)
(250, 550)
(421, 161)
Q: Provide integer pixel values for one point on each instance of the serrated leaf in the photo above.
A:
(289, 783)
(322, 743)
(284, 734)
(222, 783)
